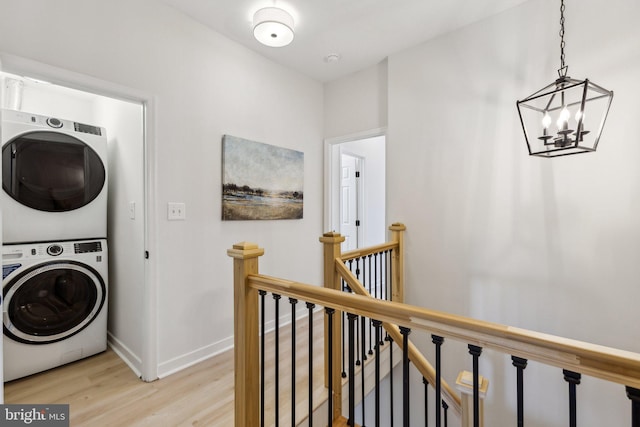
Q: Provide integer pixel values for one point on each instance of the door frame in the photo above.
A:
(331, 174)
(22, 66)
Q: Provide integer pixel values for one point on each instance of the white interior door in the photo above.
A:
(350, 201)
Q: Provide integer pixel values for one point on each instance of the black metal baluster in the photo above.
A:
(357, 341)
(475, 351)
(391, 270)
(445, 407)
(364, 357)
(352, 368)
(363, 326)
(378, 326)
(391, 376)
(310, 307)
(387, 281)
(359, 331)
(363, 322)
(375, 272)
(438, 341)
(405, 375)
(370, 320)
(520, 364)
(330, 312)
(573, 378)
(634, 395)
(344, 334)
(293, 303)
(262, 333)
(382, 284)
(426, 401)
(277, 360)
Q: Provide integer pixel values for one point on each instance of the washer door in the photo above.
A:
(51, 171)
(52, 301)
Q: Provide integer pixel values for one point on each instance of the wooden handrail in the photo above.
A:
(618, 366)
(418, 359)
(359, 253)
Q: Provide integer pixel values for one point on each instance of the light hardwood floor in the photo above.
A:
(103, 391)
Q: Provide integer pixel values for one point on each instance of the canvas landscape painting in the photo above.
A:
(260, 181)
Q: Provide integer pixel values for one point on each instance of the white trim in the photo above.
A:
(329, 170)
(184, 361)
(23, 66)
(125, 353)
(150, 316)
(189, 359)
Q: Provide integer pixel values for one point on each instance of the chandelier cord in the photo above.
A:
(562, 72)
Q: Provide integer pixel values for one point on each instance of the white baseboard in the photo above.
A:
(189, 359)
(128, 356)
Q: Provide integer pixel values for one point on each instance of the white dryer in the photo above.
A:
(54, 179)
(55, 304)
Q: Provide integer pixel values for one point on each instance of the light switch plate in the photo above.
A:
(176, 211)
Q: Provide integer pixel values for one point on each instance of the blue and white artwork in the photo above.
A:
(261, 181)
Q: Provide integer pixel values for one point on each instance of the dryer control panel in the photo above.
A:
(51, 122)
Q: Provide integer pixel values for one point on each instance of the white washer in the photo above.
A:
(55, 304)
(54, 179)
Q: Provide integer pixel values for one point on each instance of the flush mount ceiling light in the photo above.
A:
(273, 27)
(567, 116)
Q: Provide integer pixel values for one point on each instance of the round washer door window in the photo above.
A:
(51, 171)
(51, 302)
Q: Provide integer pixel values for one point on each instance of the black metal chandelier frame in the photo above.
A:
(562, 98)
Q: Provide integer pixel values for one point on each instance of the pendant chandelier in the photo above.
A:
(567, 116)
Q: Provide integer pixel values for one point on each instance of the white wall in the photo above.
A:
(549, 245)
(357, 102)
(124, 122)
(204, 86)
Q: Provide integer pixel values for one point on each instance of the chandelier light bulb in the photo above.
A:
(546, 120)
(563, 119)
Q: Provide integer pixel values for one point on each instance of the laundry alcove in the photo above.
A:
(129, 332)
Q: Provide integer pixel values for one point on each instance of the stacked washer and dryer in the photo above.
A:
(54, 253)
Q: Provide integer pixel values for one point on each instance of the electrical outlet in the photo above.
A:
(176, 211)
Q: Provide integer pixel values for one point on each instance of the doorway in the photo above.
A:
(355, 185)
(127, 116)
(351, 203)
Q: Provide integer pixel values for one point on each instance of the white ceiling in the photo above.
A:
(362, 32)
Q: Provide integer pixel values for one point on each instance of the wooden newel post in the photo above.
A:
(332, 250)
(397, 262)
(464, 384)
(246, 353)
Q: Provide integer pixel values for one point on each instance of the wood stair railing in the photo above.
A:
(335, 269)
(415, 355)
(575, 358)
(606, 363)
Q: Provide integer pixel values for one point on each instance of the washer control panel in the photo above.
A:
(53, 250)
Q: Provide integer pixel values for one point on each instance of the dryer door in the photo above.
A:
(52, 301)
(51, 171)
